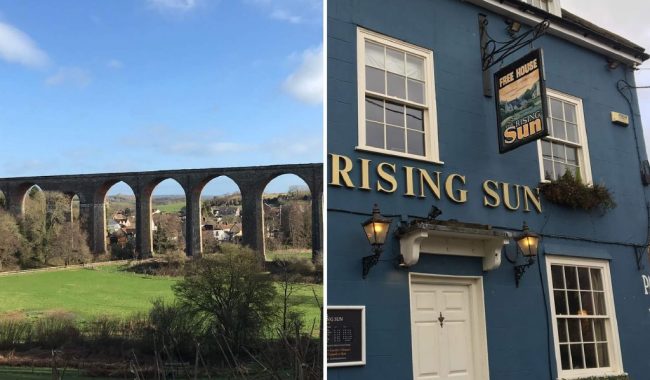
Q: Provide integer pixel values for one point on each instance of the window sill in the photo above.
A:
(398, 154)
(595, 376)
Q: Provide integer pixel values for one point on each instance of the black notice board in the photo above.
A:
(346, 336)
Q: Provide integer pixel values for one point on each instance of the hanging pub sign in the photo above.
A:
(521, 101)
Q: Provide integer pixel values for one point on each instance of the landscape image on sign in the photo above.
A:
(519, 100)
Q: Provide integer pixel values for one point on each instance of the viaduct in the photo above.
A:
(92, 188)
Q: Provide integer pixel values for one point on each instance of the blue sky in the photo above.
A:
(128, 85)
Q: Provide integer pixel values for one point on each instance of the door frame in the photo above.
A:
(477, 313)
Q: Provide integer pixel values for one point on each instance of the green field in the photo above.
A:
(169, 208)
(105, 291)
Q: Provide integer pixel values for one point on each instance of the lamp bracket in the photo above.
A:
(521, 269)
(369, 262)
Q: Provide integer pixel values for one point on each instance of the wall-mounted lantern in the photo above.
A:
(376, 229)
(527, 245)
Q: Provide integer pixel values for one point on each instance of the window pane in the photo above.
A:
(558, 152)
(558, 276)
(394, 114)
(374, 109)
(583, 278)
(414, 67)
(559, 171)
(603, 355)
(570, 276)
(587, 330)
(599, 303)
(415, 141)
(396, 85)
(546, 149)
(570, 113)
(577, 360)
(395, 138)
(596, 279)
(599, 328)
(587, 303)
(572, 132)
(561, 330)
(560, 302)
(414, 119)
(556, 109)
(375, 80)
(572, 155)
(559, 131)
(590, 356)
(374, 134)
(564, 354)
(374, 55)
(573, 299)
(548, 170)
(395, 61)
(416, 91)
(574, 330)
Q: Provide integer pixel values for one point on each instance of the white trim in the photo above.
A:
(614, 346)
(363, 335)
(583, 150)
(477, 305)
(431, 146)
(557, 30)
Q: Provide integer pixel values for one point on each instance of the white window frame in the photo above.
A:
(550, 6)
(431, 147)
(611, 326)
(583, 150)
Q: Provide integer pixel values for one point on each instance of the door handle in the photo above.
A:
(441, 319)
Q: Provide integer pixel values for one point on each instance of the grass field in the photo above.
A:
(105, 291)
(288, 254)
(169, 208)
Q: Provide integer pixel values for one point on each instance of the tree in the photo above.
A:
(231, 294)
(51, 236)
(11, 241)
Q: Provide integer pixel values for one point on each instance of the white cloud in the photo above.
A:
(115, 64)
(17, 47)
(292, 11)
(306, 83)
(173, 5)
(284, 15)
(69, 75)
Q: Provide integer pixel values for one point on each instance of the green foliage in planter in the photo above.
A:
(571, 192)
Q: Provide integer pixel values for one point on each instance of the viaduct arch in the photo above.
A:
(92, 188)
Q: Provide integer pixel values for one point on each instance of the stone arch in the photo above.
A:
(119, 219)
(220, 212)
(168, 215)
(287, 222)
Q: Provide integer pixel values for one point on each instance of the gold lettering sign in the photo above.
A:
(421, 183)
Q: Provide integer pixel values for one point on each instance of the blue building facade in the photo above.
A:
(410, 126)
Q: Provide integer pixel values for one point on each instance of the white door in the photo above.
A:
(442, 331)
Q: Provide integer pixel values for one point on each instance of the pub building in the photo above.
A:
(487, 206)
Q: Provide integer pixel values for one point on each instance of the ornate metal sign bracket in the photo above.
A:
(494, 52)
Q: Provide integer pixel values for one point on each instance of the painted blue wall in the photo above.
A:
(517, 327)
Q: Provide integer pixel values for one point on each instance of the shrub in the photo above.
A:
(231, 294)
(569, 191)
